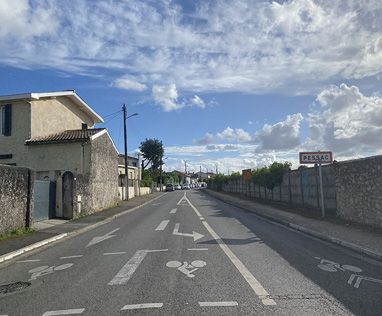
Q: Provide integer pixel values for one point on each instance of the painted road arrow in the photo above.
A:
(194, 235)
(98, 239)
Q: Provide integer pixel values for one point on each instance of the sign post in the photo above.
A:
(319, 158)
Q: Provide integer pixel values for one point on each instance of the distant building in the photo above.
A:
(135, 175)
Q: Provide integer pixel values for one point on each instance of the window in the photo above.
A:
(5, 119)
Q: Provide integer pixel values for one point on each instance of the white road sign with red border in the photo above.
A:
(316, 157)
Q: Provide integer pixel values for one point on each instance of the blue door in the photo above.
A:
(44, 200)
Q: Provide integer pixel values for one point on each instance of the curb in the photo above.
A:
(362, 250)
(61, 237)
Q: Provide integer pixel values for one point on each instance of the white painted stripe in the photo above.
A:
(30, 260)
(141, 306)
(173, 211)
(197, 249)
(202, 218)
(248, 276)
(124, 275)
(162, 225)
(156, 250)
(70, 257)
(229, 303)
(114, 253)
(64, 312)
(193, 207)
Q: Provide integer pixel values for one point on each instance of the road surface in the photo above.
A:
(187, 253)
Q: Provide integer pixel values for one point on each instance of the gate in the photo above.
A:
(44, 200)
(67, 194)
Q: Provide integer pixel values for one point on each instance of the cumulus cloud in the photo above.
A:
(255, 46)
(228, 134)
(167, 97)
(208, 138)
(282, 135)
(128, 84)
(198, 101)
(347, 121)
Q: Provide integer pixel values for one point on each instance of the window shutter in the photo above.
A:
(7, 127)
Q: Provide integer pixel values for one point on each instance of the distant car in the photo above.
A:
(178, 187)
(185, 186)
(170, 187)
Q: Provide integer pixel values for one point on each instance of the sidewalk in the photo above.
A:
(57, 229)
(355, 237)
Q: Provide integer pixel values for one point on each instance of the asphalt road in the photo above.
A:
(148, 263)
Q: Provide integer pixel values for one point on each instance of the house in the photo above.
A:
(134, 176)
(54, 134)
(184, 178)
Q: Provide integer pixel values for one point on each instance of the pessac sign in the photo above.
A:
(319, 157)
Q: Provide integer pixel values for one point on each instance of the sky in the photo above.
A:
(223, 84)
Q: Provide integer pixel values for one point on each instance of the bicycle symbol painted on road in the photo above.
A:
(354, 279)
(186, 268)
(44, 270)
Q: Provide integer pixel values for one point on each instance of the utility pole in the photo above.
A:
(200, 173)
(161, 162)
(126, 161)
(216, 167)
(185, 167)
(139, 174)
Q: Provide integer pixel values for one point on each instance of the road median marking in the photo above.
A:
(162, 225)
(142, 306)
(64, 312)
(173, 211)
(216, 304)
(114, 253)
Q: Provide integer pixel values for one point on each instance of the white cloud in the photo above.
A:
(207, 139)
(128, 84)
(197, 101)
(347, 121)
(291, 46)
(282, 135)
(167, 97)
(237, 134)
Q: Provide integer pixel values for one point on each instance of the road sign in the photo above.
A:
(247, 175)
(316, 157)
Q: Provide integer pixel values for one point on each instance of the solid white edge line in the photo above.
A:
(262, 294)
(64, 312)
(193, 207)
(162, 225)
(227, 303)
(26, 261)
(141, 306)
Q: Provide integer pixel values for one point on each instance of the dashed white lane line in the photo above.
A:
(162, 225)
(256, 286)
(114, 253)
(142, 306)
(26, 261)
(124, 275)
(156, 250)
(197, 249)
(70, 257)
(173, 211)
(215, 304)
(64, 312)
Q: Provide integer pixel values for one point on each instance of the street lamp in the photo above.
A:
(125, 140)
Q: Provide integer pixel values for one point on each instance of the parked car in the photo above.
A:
(178, 187)
(170, 187)
(185, 186)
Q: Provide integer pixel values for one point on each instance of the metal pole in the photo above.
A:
(126, 161)
(139, 174)
(161, 162)
(322, 191)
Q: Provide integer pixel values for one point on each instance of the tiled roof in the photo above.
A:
(69, 136)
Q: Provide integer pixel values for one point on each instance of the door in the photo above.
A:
(44, 199)
(67, 194)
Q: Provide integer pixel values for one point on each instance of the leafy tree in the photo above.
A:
(152, 153)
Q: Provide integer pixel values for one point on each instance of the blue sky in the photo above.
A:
(237, 86)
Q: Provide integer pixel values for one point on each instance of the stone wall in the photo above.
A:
(359, 190)
(16, 198)
(99, 188)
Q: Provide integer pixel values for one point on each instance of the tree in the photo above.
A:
(152, 153)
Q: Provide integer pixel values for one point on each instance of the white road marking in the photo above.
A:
(194, 234)
(69, 257)
(256, 286)
(201, 218)
(196, 249)
(26, 261)
(173, 211)
(64, 312)
(193, 207)
(229, 303)
(114, 253)
(162, 225)
(156, 250)
(262, 294)
(98, 239)
(141, 306)
(124, 275)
